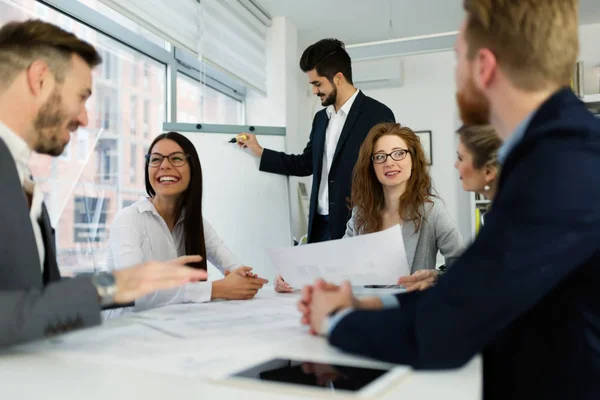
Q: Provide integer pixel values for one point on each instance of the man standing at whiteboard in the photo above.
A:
(336, 136)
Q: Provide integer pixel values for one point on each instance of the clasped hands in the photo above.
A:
(239, 284)
(322, 300)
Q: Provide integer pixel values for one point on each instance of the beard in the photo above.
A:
(473, 106)
(331, 98)
(48, 125)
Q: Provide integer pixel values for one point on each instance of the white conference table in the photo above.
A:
(189, 351)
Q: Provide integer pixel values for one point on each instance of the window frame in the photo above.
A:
(177, 60)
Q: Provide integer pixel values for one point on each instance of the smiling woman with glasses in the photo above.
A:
(391, 186)
(169, 224)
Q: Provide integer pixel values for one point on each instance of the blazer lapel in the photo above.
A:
(350, 120)
(410, 239)
(51, 272)
(319, 144)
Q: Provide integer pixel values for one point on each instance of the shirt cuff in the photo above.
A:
(389, 301)
(197, 292)
(330, 322)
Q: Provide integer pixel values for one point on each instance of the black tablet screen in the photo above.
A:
(329, 376)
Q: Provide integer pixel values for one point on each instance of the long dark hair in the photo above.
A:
(367, 191)
(190, 200)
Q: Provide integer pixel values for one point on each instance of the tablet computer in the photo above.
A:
(318, 375)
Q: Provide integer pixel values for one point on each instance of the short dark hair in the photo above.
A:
(190, 200)
(328, 57)
(21, 43)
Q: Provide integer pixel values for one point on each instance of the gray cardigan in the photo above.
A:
(437, 232)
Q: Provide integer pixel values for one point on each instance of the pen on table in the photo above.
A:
(235, 139)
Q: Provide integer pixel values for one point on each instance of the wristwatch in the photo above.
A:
(105, 286)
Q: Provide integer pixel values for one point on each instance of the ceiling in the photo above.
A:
(360, 21)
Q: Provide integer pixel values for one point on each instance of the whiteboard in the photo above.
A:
(249, 209)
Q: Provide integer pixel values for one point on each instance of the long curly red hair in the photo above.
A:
(367, 191)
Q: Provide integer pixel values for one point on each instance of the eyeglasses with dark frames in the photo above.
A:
(397, 155)
(177, 159)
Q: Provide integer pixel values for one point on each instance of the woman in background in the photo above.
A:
(391, 186)
(477, 161)
(169, 224)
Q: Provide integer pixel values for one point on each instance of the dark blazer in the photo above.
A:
(33, 304)
(364, 114)
(527, 292)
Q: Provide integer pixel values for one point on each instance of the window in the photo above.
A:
(146, 76)
(90, 210)
(106, 64)
(134, 72)
(65, 22)
(132, 164)
(124, 21)
(66, 154)
(82, 144)
(106, 156)
(200, 103)
(105, 113)
(40, 9)
(89, 219)
(146, 118)
(127, 203)
(159, 118)
(88, 184)
(133, 115)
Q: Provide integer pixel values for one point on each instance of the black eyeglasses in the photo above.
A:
(397, 155)
(177, 159)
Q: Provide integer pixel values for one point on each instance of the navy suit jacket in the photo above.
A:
(364, 114)
(527, 292)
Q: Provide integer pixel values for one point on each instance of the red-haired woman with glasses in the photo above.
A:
(391, 186)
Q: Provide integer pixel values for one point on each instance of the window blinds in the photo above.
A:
(177, 21)
(234, 40)
(225, 33)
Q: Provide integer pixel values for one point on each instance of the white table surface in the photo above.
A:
(40, 371)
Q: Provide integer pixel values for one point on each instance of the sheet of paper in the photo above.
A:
(267, 317)
(195, 340)
(374, 259)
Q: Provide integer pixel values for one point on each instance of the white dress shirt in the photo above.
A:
(139, 234)
(332, 136)
(21, 153)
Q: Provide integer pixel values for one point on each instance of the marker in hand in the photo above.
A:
(235, 139)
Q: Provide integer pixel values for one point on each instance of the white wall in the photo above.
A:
(285, 103)
(426, 101)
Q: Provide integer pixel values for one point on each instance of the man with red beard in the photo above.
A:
(45, 81)
(525, 294)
